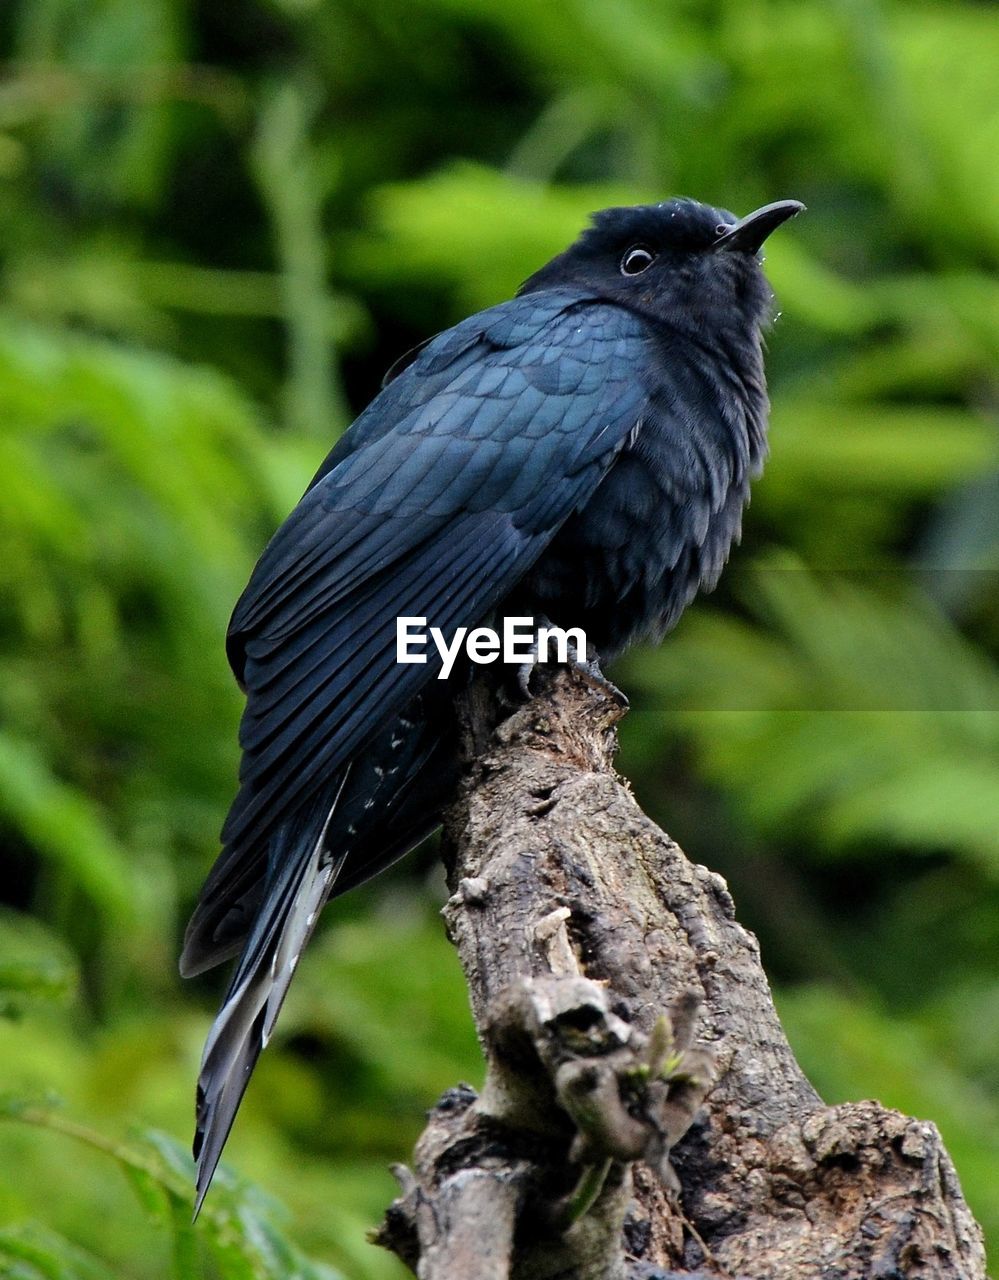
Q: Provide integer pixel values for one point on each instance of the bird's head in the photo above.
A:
(680, 261)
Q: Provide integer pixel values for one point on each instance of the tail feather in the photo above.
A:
(229, 902)
(301, 875)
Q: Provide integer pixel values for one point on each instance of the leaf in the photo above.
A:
(870, 448)
(33, 1252)
(35, 964)
(469, 213)
(65, 826)
(859, 715)
(113, 148)
(236, 1224)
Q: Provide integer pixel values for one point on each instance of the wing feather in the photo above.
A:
(435, 504)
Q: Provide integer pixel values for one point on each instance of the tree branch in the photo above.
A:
(643, 1115)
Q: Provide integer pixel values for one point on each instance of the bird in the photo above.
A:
(582, 453)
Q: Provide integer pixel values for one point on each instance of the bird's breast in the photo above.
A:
(660, 525)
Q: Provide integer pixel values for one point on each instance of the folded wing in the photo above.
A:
(435, 504)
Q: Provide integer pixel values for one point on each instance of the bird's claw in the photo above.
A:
(523, 673)
(588, 667)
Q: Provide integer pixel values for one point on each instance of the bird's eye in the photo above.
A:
(637, 260)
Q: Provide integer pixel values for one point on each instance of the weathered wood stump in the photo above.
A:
(643, 1114)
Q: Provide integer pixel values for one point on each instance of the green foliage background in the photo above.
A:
(219, 222)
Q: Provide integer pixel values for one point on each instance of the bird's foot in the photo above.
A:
(589, 669)
(585, 663)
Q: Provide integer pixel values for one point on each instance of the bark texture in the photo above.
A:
(643, 1115)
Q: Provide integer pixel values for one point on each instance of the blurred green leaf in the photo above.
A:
(35, 964)
(468, 215)
(65, 826)
(32, 1252)
(236, 1226)
(859, 715)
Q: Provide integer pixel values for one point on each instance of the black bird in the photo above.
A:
(581, 453)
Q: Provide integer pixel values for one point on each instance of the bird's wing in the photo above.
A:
(434, 505)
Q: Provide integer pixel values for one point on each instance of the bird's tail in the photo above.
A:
(301, 873)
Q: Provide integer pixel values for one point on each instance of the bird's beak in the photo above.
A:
(749, 232)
